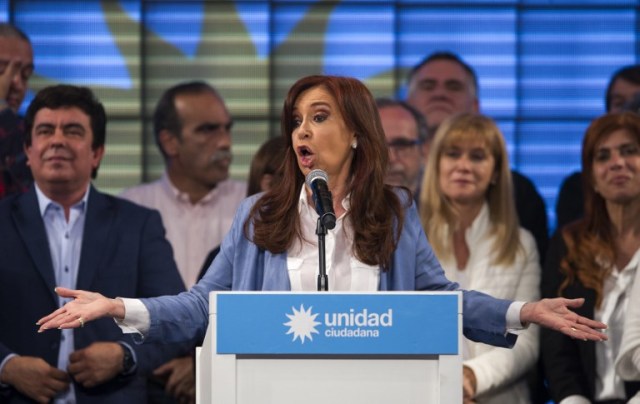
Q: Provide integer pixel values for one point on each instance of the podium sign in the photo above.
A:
(312, 323)
(283, 347)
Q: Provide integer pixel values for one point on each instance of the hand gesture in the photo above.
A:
(555, 314)
(85, 307)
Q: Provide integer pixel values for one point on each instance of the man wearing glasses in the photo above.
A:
(408, 141)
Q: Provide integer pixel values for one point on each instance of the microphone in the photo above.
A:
(317, 181)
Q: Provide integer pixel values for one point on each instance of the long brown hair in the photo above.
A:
(376, 207)
(267, 160)
(591, 248)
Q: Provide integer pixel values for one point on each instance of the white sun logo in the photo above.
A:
(302, 323)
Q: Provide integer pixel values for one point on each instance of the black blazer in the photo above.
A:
(569, 364)
(570, 203)
(124, 253)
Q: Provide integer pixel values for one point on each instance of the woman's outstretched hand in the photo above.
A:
(85, 307)
(550, 313)
(555, 314)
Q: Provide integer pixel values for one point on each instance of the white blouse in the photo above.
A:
(612, 312)
(344, 271)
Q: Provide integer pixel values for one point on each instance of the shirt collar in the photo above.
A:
(480, 224)
(183, 197)
(44, 202)
(303, 201)
(632, 264)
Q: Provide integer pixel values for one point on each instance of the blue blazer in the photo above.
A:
(124, 253)
(241, 265)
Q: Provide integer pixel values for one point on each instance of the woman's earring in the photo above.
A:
(354, 144)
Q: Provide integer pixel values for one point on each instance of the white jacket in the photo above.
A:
(628, 361)
(500, 372)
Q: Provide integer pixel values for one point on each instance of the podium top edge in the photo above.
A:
(315, 293)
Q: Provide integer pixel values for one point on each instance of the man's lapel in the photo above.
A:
(99, 219)
(28, 221)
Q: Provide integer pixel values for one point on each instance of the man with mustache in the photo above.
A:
(16, 67)
(64, 231)
(442, 85)
(195, 197)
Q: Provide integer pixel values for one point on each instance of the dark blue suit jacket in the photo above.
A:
(124, 253)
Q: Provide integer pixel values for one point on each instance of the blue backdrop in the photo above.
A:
(543, 65)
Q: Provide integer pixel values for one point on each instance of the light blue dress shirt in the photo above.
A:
(65, 244)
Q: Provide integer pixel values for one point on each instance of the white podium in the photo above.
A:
(264, 347)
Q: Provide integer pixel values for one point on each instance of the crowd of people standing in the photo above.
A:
(444, 212)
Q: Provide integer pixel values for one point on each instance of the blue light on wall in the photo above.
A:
(543, 65)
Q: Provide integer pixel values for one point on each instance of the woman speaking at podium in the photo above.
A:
(377, 243)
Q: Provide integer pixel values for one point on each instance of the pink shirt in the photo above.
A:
(192, 229)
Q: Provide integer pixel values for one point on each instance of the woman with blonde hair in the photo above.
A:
(468, 212)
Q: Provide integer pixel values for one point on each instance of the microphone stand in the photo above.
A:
(323, 279)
